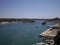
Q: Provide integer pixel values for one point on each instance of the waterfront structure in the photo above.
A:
(50, 34)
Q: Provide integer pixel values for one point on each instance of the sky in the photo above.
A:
(29, 8)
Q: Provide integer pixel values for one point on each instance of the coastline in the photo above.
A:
(14, 20)
(49, 32)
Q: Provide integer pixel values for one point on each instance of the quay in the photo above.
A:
(49, 35)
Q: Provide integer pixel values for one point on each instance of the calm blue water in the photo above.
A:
(21, 33)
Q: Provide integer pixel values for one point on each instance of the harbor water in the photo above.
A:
(22, 33)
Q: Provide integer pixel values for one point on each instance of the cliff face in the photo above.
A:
(57, 38)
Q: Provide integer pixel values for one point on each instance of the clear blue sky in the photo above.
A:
(29, 8)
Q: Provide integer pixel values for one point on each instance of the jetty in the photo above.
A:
(49, 35)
